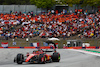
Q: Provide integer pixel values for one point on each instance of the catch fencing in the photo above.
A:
(27, 8)
(22, 8)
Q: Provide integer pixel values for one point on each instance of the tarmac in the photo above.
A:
(69, 58)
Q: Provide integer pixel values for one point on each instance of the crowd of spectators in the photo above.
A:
(51, 24)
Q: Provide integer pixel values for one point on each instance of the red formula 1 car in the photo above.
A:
(39, 56)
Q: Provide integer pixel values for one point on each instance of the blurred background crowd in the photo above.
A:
(51, 24)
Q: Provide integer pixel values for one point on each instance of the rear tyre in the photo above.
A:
(20, 58)
(42, 59)
(56, 57)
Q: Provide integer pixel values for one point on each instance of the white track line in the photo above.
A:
(83, 51)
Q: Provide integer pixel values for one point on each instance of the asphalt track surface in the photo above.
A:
(69, 58)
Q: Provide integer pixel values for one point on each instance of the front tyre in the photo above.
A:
(14, 59)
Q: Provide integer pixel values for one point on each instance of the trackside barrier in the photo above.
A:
(28, 47)
(77, 47)
(72, 47)
(97, 47)
(1, 47)
(91, 47)
(83, 47)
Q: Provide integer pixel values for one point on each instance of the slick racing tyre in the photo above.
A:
(55, 57)
(42, 59)
(20, 58)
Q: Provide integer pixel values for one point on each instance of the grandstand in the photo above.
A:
(61, 25)
(50, 25)
(64, 24)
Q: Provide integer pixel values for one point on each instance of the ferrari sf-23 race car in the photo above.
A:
(38, 56)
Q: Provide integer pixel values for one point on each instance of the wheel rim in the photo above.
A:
(45, 58)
